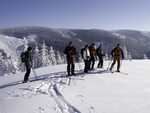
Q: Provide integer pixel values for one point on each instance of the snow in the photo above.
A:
(119, 35)
(99, 91)
(10, 44)
(65, 33)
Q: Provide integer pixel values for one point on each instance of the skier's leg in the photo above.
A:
(93, 62)
(90, 63)
(99, 62)
(102, 62)
(28, 70)
(68, 66)
(72, 68)
(118, 64)
(86, 66)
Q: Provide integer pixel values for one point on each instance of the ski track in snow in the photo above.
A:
(52, 82)
(63, 105)
(52, 86)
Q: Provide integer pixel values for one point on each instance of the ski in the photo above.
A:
(122, 73)
(119, 72)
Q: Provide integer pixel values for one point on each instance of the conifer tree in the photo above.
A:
(52, 56)
(45, 55)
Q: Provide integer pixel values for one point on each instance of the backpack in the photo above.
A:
(23, 57)
(117, 52)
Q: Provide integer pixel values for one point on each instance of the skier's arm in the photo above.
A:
(31, 59)
(112, 53)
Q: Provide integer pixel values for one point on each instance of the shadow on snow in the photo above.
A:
(53, 75)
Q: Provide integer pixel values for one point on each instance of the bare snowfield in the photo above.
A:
(99, 91)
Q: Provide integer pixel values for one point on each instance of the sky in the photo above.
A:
(82, 14)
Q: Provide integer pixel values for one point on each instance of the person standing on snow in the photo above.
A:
(92, 50)
(85, 53)
(100, 55)
(70, 52)
(117, 54)
(27, 60)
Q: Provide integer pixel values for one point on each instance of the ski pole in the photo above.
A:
(120, 63)
(109, 64)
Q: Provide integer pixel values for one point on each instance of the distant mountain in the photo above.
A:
(136, 42)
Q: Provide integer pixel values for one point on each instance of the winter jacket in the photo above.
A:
(85, 53)
(28, 58)
(70, 51)
(99, 52)
(92, 51)
(117, 52)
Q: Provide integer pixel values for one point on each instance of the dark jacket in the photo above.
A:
(92, 51)
(99, 52)
(70, 51)
(117, 52)
(28, 58)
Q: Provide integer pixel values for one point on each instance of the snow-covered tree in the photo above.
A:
(58, 58)
(145, 56)
(106, 56)
(10, 65)
(129, 56)
(45, 55)
(52, 56)
(3, 68)
(37, 58)
(6, 65)
(125, 52)
(25, 43)
(80, 59)
(64, 59)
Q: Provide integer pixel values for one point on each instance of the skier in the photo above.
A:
(100, 55)
(92, 50)
(70, 52)
(117, 53)
(85, 53)
(27, 60)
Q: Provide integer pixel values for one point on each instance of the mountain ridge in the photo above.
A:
(136, 42)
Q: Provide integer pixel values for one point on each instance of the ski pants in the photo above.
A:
(28, 70)
(116, 59)
(100, 63)
(87, 65)
(92, 62)
(70, 65)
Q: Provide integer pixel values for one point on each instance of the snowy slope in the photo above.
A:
(10, 44)
(97, 92)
